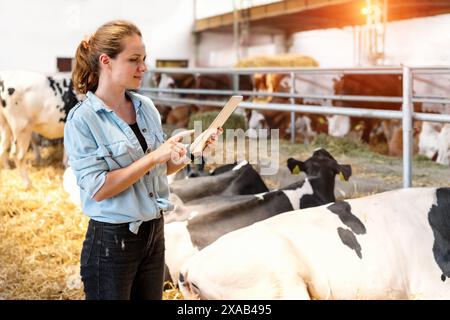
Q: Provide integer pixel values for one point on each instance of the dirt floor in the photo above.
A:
(41, 231)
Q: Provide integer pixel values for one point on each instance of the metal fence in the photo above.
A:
(407, 115)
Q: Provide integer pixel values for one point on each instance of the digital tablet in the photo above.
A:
(198, 145)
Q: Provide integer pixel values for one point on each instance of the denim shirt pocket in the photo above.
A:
(117, 155)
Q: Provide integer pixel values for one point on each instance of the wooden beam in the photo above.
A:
(301, 15)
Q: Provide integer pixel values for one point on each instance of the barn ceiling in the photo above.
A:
(292, 16)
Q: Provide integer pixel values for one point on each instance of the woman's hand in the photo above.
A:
(211, 142)
(172, 149)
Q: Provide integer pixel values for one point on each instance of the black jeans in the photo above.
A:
(117, 264)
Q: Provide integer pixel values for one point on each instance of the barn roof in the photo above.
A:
(291, 16)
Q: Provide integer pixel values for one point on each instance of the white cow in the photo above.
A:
(443, 142)
(392, 245)
(208, 218)
(33, 102)
(428, 137)
(338, 125)
(433, 139)
(5, 139)
(71, 187)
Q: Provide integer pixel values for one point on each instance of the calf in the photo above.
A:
(392, 245)
(206, 219)
(230, 179)
(235, 180)
(33, 102)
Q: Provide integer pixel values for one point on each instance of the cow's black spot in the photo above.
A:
(11, 91)
(443, 277)
(65, 84)
(344, 212)
(3, 103)
(58, 86)
(2, 86)
(349, 239)
(52, 84)
(70, 100)
(439, 219)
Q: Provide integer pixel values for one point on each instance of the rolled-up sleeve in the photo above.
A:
(85, 156)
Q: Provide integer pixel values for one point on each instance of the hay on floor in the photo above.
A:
(41, 235)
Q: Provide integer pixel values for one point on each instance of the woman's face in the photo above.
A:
(128, 67)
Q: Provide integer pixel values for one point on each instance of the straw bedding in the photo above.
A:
(41, 234)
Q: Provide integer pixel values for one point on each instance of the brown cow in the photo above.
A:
(306, 125)
(179, 115)
(389, 85)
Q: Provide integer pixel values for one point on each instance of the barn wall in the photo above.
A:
(418, 42)
(423, 41)
(330, 47)
(34, 33)
(217, 49)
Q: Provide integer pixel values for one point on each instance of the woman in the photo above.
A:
(116, 149)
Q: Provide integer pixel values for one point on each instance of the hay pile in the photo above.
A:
(41, 235)
(283, 60)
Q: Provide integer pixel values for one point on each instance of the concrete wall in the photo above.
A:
(218, 49)
(34, 33)
(417, 42)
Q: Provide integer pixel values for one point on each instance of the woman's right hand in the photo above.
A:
(172, 149)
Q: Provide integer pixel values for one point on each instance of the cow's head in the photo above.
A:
(321, 165)
(321, 169)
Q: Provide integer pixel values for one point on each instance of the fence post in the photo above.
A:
(292, 101)
(407, 109)
(235, 82)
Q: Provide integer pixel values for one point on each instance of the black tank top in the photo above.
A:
(139, 135)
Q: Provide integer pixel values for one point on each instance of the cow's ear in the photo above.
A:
(344, 171)
(295, 166)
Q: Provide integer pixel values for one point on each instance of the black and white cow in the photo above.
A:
(5, 139)
(230, 179)
(195, 170)
(392, 245)
(33, 102)
(206, 219)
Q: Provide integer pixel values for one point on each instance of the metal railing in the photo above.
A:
(407, 115)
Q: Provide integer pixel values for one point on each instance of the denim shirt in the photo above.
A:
(97, 141)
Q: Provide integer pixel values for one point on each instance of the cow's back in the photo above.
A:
(34, 101)
(387, 246)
